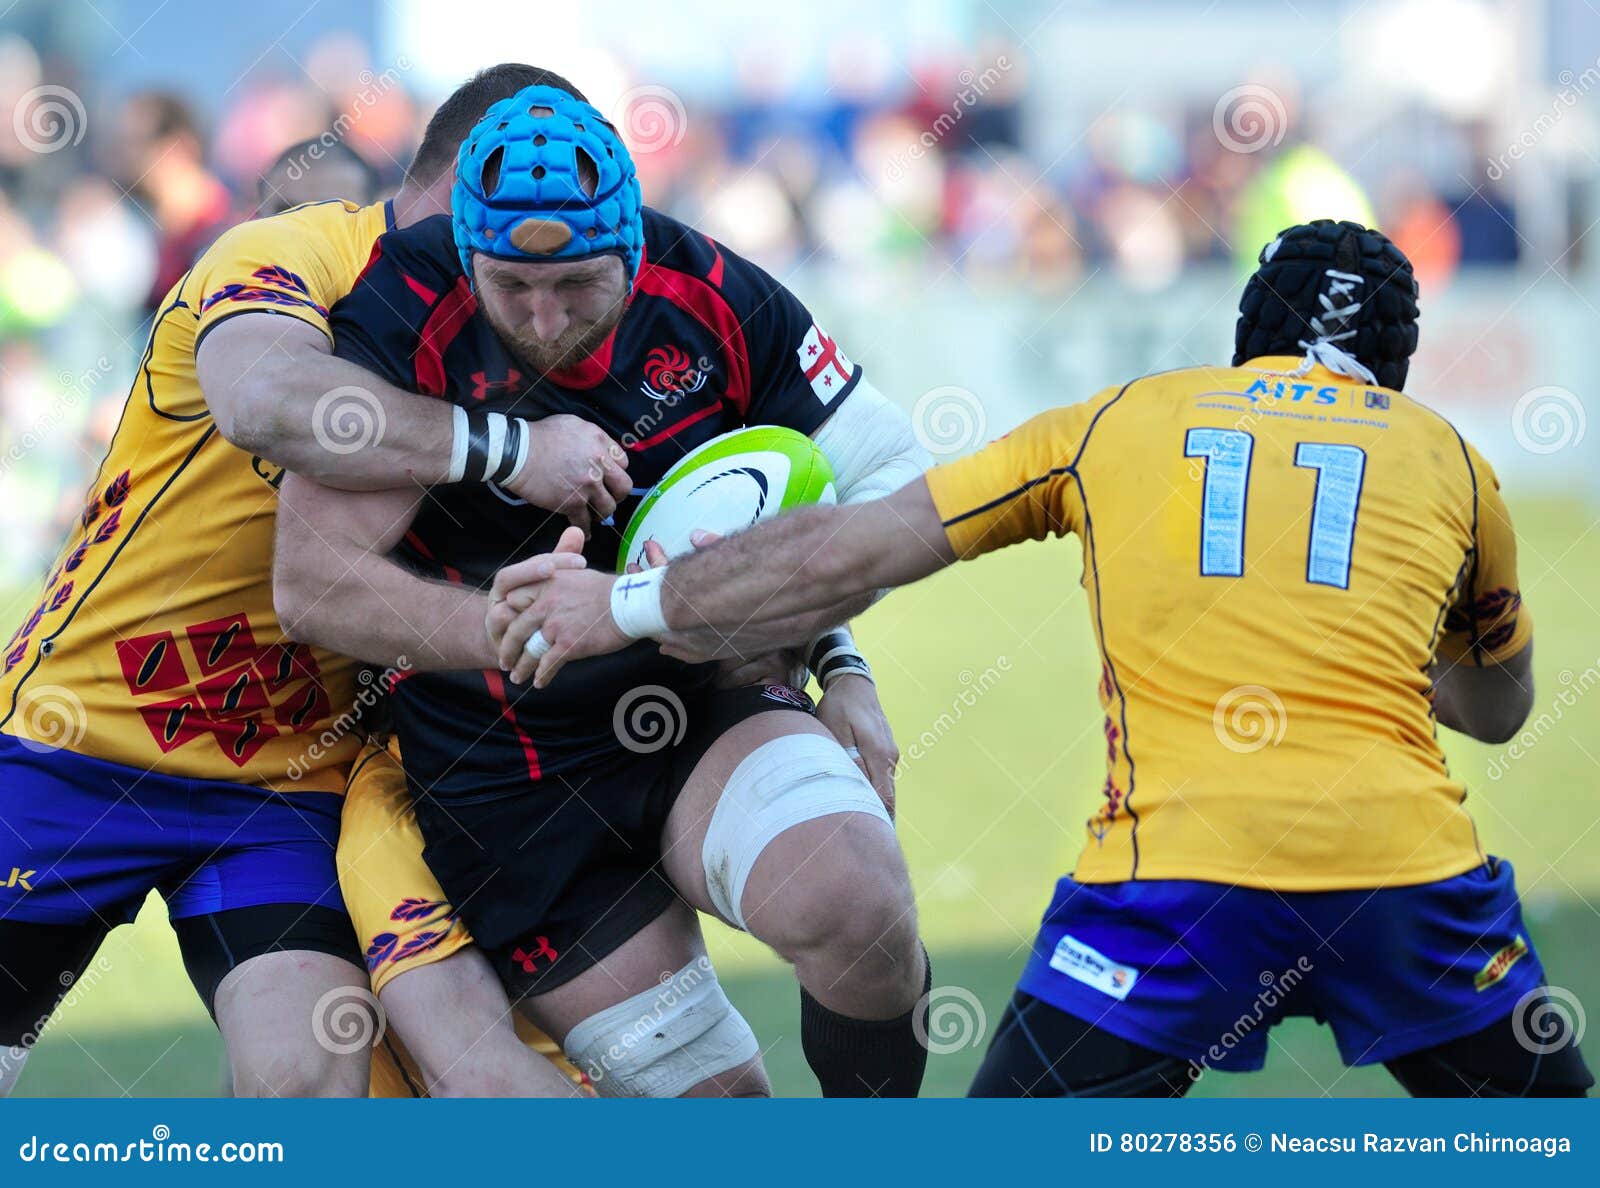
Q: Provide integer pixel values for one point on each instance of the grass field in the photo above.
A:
(989, 674)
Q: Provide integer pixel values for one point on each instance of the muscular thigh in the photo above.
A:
(683, 838)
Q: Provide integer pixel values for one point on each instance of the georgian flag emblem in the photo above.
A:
(825, 366)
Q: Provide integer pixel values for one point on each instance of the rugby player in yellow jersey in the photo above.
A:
(157, 729)
(1291, 529)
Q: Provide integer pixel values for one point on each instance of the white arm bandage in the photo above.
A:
(871, 446)
(873, 451)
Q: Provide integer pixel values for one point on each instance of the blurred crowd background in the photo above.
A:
(1013, 200)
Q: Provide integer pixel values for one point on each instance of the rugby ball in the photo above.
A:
(727, 484)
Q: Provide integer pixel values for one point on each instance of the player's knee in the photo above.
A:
(801, 810)
(301, 1073)
(694, 1036)
(850, 899)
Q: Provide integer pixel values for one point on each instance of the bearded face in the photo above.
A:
(551, 314)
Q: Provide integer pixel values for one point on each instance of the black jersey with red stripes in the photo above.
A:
(709, 343)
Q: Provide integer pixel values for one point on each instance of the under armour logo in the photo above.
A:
(528, 961)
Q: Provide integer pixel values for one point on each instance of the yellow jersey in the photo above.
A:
(154, 643)
(1273, 561)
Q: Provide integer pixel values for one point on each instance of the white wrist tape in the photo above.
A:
(834, 654)
(636, 604)
(458, 446)
(522, 453)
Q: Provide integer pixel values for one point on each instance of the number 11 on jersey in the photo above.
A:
(1224, 499)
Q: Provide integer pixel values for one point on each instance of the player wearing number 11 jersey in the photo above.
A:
(1294, 572)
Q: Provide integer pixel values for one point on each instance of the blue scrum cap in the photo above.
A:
(544, 176)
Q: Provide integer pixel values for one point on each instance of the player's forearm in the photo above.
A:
(382, 613)
(757, 637)
(276, 389)
(367, 606)
(339, 424)
(811, 561)
(790, 567)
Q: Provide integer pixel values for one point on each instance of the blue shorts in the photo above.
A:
(83, 840)
(1201, 971)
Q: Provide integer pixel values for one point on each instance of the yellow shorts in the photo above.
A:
(402, 918)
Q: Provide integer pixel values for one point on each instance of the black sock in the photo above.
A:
(866, 1057)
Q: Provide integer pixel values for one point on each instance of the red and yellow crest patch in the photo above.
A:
(1500, 964)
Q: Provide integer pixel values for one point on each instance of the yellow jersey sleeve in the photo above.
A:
(1021, 487)
(294, 263)
(1488, 623)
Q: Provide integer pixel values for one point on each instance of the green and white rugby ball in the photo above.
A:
(725, 485)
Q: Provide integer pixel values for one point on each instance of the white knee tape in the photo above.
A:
(779, 785)
(664, 1041)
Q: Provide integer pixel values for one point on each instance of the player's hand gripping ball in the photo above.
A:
(725, 485)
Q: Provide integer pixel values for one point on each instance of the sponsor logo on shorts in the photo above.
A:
(542, 951)
(20, 877)
(787, 695)
(1093, 968)
(1500, 964)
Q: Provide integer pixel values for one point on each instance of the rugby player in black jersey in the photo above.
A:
(575, 853)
